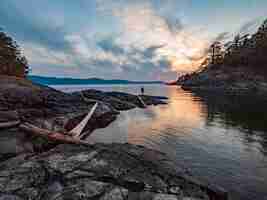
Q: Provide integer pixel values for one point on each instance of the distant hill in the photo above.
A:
(73, 81)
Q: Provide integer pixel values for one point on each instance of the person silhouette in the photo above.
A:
(142, 90)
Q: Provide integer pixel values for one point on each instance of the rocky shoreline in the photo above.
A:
(226, 80)
(35, 168)
(47, 108)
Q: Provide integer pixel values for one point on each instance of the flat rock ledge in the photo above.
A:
(104, 172)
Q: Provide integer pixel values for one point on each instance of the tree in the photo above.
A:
(216, 53)
(12, 62)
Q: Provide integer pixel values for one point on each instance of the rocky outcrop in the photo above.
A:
(227, 80)
(119, 100)
(148, 100)
(116, 103)
(100, 171)
(47, 108)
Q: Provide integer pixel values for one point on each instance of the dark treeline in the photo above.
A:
(12, 62)
(247, 52)
(244, 51)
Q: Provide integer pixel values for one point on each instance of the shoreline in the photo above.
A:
(225, 80)
(109, 171)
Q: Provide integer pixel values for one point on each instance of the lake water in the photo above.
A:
(220, 139)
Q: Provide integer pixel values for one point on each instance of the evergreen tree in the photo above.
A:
(12, 62)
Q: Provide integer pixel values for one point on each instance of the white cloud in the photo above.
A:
(143, 27)
(42, 55)
(144, 42)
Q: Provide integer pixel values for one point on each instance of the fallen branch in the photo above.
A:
(142, 101)
(77, 131)
(50, 135)
(9, 124)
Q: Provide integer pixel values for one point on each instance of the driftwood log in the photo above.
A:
(141, 101)
(11, 124)
(50, 135)
(77, 131)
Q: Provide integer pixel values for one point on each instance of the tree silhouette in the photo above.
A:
(216, 53)
(12, 62)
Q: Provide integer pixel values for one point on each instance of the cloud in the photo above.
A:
(143, 27)
(109, 45)
(145, 41)
(250, 26)
(222, 36)
(31, 28)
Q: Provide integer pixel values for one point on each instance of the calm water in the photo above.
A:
(221, 139)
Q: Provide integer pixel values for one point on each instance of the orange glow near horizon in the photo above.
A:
(190, 65)
(182, 109)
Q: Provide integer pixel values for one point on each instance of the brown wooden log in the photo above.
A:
(50, 135)
(11, 124)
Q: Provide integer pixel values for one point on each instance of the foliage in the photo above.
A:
(12, 62)
(247, 53)
(215, 53)
(244, 51)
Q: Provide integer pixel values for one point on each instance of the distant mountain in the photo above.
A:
(73, 81)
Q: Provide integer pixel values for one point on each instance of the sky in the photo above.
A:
(123, 39)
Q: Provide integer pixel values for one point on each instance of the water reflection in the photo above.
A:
(221, 139)
(179, 114)
(246, 113)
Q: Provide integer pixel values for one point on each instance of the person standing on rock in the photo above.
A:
(142, 90)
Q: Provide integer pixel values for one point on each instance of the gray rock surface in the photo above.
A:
(100, 171)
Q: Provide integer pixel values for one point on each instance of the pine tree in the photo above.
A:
(12, 62)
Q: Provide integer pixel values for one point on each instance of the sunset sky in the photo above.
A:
(125, 39)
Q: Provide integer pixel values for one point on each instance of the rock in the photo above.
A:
(175, 190)
(46, 108)
(56, 111)
(226, 80)
(10, 197)
(6, 116)
(165, 197)
(99, 171)
(153, 100)
(116, 103)
(116, 194)
(149, 100)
